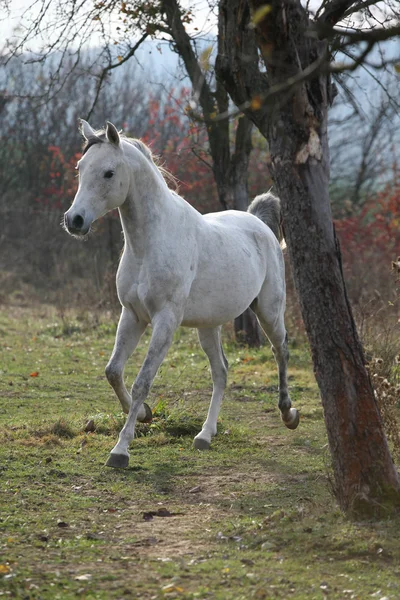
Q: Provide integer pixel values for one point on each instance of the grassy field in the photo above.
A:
(251, 518)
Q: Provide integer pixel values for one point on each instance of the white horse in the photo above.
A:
(179, 268)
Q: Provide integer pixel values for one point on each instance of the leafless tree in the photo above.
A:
(364, 141)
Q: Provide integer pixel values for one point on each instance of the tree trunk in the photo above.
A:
(365, 478)
(247, 329)
(363, 469)
(239, 166)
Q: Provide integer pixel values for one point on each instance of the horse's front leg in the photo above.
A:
(129, 332)
(164, 326)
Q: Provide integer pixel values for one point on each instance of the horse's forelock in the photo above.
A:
(99, 139)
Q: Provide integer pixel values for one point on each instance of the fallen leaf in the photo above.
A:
(84, 577)
(4, 569)
(167, 589)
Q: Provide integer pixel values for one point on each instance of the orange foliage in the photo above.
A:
(370, 240)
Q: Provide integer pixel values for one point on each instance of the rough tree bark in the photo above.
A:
(230, 169)
(247, 330)
(210, 103)
(365, 478)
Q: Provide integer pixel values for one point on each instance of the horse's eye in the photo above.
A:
(108, 174)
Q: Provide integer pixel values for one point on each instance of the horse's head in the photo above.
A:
(103, 179)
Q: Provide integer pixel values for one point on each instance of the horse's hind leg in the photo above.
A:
(128, 335)
(271, 319)
(210, 340)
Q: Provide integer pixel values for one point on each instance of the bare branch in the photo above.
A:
(368, 35)
(114, 66)
(334, 11)
(197, 155)
(359, 6)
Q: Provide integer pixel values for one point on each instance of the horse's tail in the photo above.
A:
(267, 207)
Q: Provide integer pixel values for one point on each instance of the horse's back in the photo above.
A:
(240, 236)
(236, 218)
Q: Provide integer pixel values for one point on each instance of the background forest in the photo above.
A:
(40, 146)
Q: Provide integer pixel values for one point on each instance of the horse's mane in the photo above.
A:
(139, 145)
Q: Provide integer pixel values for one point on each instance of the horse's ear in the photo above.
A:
(86, 130)
(112, 134)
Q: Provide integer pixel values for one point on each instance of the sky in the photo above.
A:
(10, 25)
(204, 21)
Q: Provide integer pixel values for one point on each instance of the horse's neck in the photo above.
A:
(146, 209)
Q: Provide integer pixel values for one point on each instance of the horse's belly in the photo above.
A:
(199, 316)
(210, 306)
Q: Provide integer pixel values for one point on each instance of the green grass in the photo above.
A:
(252, 518)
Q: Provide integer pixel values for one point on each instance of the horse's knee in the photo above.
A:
(141, 388)
(112, 373)
(281, 351)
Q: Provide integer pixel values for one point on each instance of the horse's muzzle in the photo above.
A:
(75, 225)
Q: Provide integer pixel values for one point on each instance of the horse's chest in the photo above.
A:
(128, 282)
(133, 297)
(139, 292)
(146, 286)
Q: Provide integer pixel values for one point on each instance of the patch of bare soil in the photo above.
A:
(184, 533)
(181, 525)
(193, 515)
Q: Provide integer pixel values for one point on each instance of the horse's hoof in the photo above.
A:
(201, 444)
(118, 461)
(149, 415)
(292, 418)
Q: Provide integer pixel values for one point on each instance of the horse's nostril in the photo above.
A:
(77, 222)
